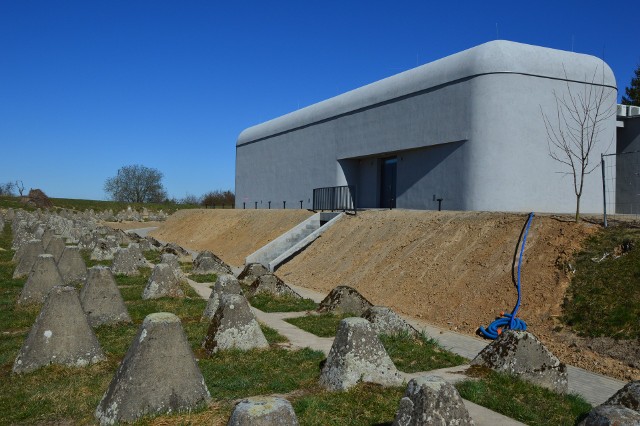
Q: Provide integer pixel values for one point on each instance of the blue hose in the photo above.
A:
(509, 320)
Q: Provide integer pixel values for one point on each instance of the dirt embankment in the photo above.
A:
(452, 269)
(230, 234)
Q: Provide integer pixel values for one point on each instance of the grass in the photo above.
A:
(521, 400)
(270, 303)
(412, 354)
(603, 298)
(322, 325)
(203, 278)
(153, 256)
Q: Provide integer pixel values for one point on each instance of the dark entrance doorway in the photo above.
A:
(388, 182)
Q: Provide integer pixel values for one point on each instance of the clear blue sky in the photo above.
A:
(89, 86)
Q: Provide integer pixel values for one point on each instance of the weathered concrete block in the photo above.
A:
(124, 263)
(136, 252)
(105, 249)
(234, 327)
(172, 260)
(71, 265)
(60, 335)
(430, 400)
(628, 396)
(28, 253)
(357, 356)
(47, 236)
(173, 248)
(162, 283)
(251, 272)
(385, 321)
(611, 415)
(263, 411)
(43, 277)
(55, 247)
(521, 354)
(225, 284)
(101, 298)
(88, 241)
(208, 263)
(271, 284)
(344, 300)
(159, 374)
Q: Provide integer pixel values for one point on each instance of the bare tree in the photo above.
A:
(19, 185)
(6, 189)
(580, 120)
(136, 184)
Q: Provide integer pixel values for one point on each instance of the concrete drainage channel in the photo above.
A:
(293, 241)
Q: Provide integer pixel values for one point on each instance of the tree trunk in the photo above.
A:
(577, 208)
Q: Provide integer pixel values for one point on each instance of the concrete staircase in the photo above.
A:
(293, 241)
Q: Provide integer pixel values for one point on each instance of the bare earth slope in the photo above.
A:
(230, 234)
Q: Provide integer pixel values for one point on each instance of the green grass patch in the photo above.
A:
(365, 404)
(523, 401)
(272, 335)
(270, 303)
(412, 354)
(603, 298)
(322, 325)
(203, 278)
(153, 256)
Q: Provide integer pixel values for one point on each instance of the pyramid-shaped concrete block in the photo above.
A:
(521, 354)
(252, 271)
(357, 355)
(71, 265)
(47, 236)
(43, 277)
(344, 300)
(208, 263)
(159, 374)
(25, 258)
(272, 284)
(430, 400)
(136, 253)
(263, 411)
(234, 327)
(60, 335)
(173, 261)
(55, 247)
(162, 283)
(124, 263)
(101, 298)
(225, 284)
(105, 249)
(385, 321)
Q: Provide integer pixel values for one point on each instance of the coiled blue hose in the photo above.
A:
(509, 320)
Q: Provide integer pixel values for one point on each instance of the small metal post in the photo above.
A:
(269, 204)
(244, 205)
(439, 200)
(300, 204)
(604, 190)
(284, 204)
(256, 205)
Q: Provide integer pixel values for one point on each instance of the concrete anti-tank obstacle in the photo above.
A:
(55, 247)
(208, 263)
(71, 265)
(344, 300)
(136, 253)
(251, 272)
(271, 284)
(234, 327)
(173, 261)
(101, 299)
(104, 249)
(29, 252)
(225, 284)
(43, 277)
(162, 283)
(385, 321)
(60, 335)
(124, 263)
(263, 411)
(159, 374)
(46, 237)
(521, 354)
(623, 408)
(430, 400)
(357, 355)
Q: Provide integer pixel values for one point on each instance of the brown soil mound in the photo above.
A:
(230, 234)
(454, 269)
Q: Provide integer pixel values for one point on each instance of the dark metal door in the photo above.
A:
(388, 182)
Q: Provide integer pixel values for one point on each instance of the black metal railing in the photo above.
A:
(335, 198)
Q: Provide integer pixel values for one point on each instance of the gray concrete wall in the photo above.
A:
(467, 128)
(627, 183)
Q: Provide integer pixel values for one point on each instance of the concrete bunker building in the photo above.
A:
(465, 131)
